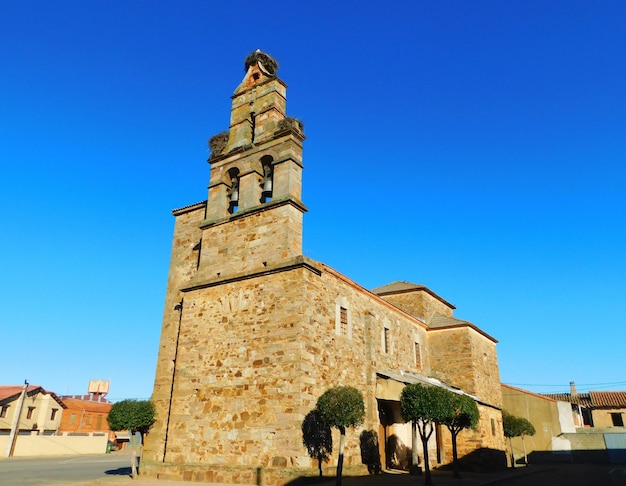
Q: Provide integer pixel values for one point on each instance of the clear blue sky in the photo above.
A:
(474, 147)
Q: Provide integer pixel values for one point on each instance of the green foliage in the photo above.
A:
(341, 407)
(133, 415)
(462, 412)
(525, 427)
(423, 404)
(516, 426)
(317, 438)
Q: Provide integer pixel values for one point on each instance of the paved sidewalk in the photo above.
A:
(388, 478)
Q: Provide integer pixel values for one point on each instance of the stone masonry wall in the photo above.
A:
(183, 267)
(250, 243)
(419, 303)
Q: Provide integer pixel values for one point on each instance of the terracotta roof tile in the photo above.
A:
(397, 286)
(87, 405)
(593, 399)
(614, 399)
(9, 393)
(439, 321)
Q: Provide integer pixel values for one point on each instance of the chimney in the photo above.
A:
(572, 388)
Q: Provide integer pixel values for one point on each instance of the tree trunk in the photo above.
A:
(428, 479)
(525, 456)
(414, 456)
(455, 456)
(342, 441)
(319, 465)
(512, 455)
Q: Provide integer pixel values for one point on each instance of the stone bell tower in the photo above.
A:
(254, 209)
(232, 257)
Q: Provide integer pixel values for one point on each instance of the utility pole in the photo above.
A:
(16, 421)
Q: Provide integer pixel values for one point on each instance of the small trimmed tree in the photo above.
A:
(516, 427)
(134, 416)
(526, 428)
(341, 407)
(424, 406)
(317, 438)
(461, 413)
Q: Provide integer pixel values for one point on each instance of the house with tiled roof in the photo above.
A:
(595, 408)
(39, 411)
(569, 427)
(84, 414)
(31, 418)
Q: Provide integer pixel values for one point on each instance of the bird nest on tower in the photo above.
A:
(268, 63)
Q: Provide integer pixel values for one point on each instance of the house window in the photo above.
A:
(343, 321)
(72, 419)
(99, 422)
(29, 414)
(618, 420)
(53, 414)
(418, 355)
(386, 340)
(493, 426)
(3, 411)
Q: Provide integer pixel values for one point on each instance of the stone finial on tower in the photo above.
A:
(259, 103)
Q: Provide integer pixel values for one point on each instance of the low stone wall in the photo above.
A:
(56, 445)
(237, 476)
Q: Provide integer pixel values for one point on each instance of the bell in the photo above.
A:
(234, 194)
(267, 185)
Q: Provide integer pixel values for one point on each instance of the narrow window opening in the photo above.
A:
(3, 411)
(252, 125)
(618, 420)
(493, 426)
(343, 321)
(53, 414)
(418, 355)
(29, 414)
(198, 248)
(386, 340)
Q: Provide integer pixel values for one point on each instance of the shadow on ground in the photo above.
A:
(120, 471)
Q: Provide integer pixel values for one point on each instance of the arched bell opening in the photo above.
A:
(267, 182)
(233, 192)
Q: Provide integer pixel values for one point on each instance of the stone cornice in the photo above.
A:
(257, 209)
(285, 266)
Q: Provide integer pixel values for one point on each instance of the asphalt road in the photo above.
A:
(39, 471)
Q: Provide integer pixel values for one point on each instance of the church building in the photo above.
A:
(254, 331)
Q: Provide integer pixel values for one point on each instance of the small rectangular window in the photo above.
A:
(343, 321)
(418, 355)
(3, 411)
(493, 426)
(53, 414)
(618, 420)
(72, 419)
(29, 414)
(386, 340)
(99, 422)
